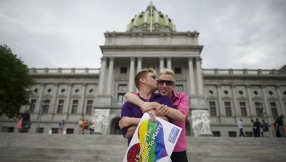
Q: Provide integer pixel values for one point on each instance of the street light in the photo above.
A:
(40, 114)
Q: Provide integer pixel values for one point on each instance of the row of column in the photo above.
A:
(252, 109)
(131, 86)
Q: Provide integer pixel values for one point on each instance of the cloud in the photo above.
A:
(235, 34)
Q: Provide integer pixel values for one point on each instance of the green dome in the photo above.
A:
(160, 21)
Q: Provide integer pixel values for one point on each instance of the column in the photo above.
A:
(236, 107)
(131, 75)
(169, 65)
(110, 74)
(102, 75)
(39, 102)
(161, 63)
(191, 75)
(252, 112)
(83, 98)
(282, 108)
(139, 64)
(53, 109)
(221, 108)
(199, 75)
(265, 102)
(67, 109)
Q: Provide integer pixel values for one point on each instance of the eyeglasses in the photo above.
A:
(167, 82)
(152, 76)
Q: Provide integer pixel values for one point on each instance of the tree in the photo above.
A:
(15, 82)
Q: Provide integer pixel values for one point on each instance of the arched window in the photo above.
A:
(114, 128)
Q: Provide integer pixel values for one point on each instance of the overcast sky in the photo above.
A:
(67, 33)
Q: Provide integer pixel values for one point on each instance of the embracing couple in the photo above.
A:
(167, 104)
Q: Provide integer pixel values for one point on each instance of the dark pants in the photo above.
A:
(257, 132)
(24, 123)
(241, 132)
(179, 157)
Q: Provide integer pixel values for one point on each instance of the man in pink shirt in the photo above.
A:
(179, 113)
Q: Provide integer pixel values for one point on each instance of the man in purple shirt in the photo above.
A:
(146, 83)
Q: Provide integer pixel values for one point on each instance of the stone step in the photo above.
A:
(110, 148)
(116, 159)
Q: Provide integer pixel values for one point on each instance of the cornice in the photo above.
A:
(132, 47)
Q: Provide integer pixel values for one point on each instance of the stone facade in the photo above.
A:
(227, 94)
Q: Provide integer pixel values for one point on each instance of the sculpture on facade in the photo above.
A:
(201, 122)
(101, 119)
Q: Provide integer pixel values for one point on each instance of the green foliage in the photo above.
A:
(15, 82)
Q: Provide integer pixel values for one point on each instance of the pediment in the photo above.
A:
(121, 78)
(257, 98)
(90, 96)
(272, 98)
(48, 96)
(180, 78)
(62, 96)
(211, 98)
(226, 98)
(34, 95)
(241, 98)
(76, 96)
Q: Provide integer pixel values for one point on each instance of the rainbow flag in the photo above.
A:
(152, 141)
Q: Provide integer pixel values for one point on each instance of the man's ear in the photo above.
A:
(141, 80)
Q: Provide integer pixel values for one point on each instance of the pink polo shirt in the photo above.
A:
(181, 103)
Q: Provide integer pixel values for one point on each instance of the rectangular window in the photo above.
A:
(74, 106)
(178, 70)
(227, 108)
(273, 109)
(232, 134)
(55, 130)
(248, 134)
(33, 105)
(212, 109)
(179, 88)
(46, 106)
(8, 129)
(258, 107)
(60, 106)
(120, 98)
(243, 108)
(216, 133)
(122, 87)
(89, 106)
(123, 70)
(70, 131)
(41, 130)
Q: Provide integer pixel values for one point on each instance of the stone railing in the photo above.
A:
(71, 71)
(234, 72)
(117, 103)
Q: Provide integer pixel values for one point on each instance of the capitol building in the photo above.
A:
(151, 40)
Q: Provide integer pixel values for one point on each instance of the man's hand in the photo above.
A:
(152, 114)
(125, 122)
(162, 110)
(146, 106)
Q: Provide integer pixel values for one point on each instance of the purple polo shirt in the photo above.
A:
(131, 110)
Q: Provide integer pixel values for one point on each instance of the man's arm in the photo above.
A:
(127, 121)
(134, 99)
(182, 111)
(130, 132)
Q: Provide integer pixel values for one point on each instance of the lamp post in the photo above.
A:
(262, 110)
(40, 114)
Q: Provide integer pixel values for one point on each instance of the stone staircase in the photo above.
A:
(16, 147)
